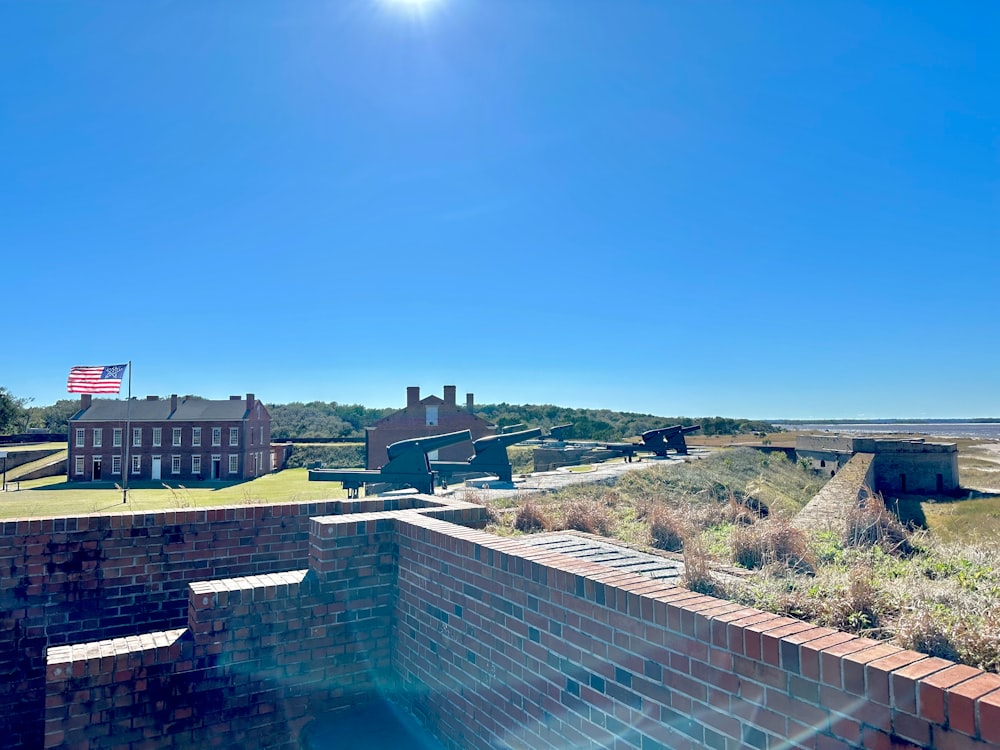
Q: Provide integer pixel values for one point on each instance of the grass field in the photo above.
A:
(53, 496)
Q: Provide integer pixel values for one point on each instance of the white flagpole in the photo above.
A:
(127, 436)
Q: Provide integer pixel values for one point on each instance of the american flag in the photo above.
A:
(106, 379)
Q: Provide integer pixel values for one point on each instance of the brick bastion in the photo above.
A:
(242, 624)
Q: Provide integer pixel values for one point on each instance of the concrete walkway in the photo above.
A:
(548, 481)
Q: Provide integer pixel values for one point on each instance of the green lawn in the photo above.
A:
(53, 496)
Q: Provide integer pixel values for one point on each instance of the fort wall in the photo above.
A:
(901, 465)
(106, 576)
(494, 643)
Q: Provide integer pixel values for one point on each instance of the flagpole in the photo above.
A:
(127, 436)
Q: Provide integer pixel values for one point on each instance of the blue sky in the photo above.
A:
(770, 210)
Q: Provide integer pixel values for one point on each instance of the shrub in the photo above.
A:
(871, 524)
(530, 518)
(667, 530)
(590, 517)
(771, 541)
(697, 568)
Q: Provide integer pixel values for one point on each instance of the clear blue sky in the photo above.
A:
(757, 209)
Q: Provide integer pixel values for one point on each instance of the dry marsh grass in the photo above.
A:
(872, 577)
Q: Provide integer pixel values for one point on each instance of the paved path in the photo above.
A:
(548, 481)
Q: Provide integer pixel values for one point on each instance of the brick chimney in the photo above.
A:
(412, 395)
(85, 401)
(449, 394)
(250, 401)
(173, 402)
(152, 398)
(235, 398)
(469, 402)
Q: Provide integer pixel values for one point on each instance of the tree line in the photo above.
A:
(331, 419)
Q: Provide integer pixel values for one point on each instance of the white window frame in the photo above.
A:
(176, 436)
(216, 436)
(116, 437)
(136, 437)
(195, 465)
(81, 437)
(116, 464)
(98, 437)
(175, 463)
(157, 437)
(78, 466)
(136, 464)
(234, 463)
(196, 436)
(234, 436)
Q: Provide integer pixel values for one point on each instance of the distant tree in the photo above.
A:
(13, 416)
(54, 418)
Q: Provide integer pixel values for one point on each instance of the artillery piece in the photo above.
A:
(490, 456)
(558, 432)
(407, 466)
(657, 442)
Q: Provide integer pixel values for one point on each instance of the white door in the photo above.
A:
(156, 467)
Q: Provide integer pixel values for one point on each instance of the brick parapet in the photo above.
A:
(493, 642)
(577, 650)
(74, 579)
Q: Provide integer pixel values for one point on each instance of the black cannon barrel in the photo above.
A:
(505, 439)
(427, 444)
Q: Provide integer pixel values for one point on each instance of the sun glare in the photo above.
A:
(414, 6)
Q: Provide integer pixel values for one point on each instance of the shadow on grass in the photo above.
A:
(909, 509)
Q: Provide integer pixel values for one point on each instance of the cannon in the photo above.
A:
(558, 432)
(490, 456)
(657, 442)
(407, 466)
(511, 428)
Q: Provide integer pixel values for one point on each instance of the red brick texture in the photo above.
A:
(493, 643)
(87, 578)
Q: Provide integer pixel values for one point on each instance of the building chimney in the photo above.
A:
(235, 398)
(250, 401)
(412, 395)
(469, 401)
(85, 401)
(152, 398)
(173, 402)
(449, 394)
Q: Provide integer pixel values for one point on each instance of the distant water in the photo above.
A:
(934, 429)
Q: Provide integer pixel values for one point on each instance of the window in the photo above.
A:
(136, 464)
(78, 466)
(432, 416)
(136, 437)
(116, 464)
(98, 437)
(177, 436)
(80, 437)
(216, 436)
(195, 436)
(157, 436)
(234, 435)
(116, 437)
(234, 463)
(175, 464)
(261, 435)
(196, 465)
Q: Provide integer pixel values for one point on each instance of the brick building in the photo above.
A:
(424, 417)
(182, 439)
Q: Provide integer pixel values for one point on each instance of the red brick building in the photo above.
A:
(174, 439)
(424, 417)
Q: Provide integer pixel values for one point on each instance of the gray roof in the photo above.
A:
(189, 409)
